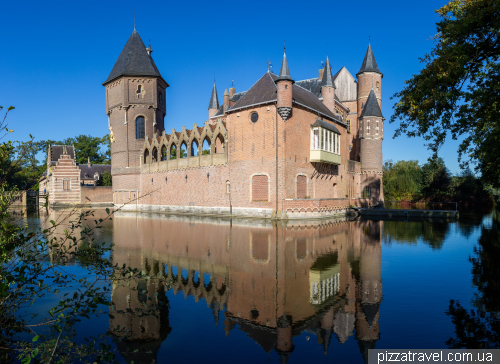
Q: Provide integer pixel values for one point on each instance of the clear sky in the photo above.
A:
(55, 55)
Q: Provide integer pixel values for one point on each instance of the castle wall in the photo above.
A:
(96, 194)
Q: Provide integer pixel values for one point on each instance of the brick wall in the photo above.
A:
(96, 194)
(65, 170)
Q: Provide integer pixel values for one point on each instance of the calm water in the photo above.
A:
(329, 290)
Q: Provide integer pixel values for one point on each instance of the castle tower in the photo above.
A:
(213, 105)
(371, 126)
(371, 133)
(284, 85)
(328, 87)
(136, 108)
(369, 76)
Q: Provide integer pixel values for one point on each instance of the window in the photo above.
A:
(367, 192)
(301, 186)
(368, 127)
(260, 188)
(349, 126)
(139, 127)
(378, 86)
(228, 187)
(254, 117)
(139, 89)
(326, 140)
(315, 136)
(66, 185)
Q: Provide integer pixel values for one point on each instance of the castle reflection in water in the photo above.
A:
(275, 281)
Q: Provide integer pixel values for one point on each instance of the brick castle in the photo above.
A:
(282, 149)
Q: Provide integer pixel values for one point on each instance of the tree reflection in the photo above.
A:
(480, 327)
(432, 233)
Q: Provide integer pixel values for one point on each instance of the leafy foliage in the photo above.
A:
(457, 92)
(33, 262)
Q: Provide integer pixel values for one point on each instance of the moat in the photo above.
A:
(253, 291)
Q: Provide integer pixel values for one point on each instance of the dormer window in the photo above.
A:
(325, 142)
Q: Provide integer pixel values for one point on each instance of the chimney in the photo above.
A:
(232, 91)
(321, 71)
(226, 100)
(88, 162)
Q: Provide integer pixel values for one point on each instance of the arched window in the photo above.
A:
(206, 146)
(219, 144)
(163, 153)
(155, 155)
(194, 148)
(183, 150)
(228, 187)
(260, 188)
(146, 155)
(301, 187)
(139, 127)
(367, 192)
(173, 152)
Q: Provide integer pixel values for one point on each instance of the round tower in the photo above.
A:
(369, 76)
(136, 108)
(328, 87)
(213, 105)
(284, 90)
(371, 127)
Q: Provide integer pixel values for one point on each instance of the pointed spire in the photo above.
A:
(371, 108)
(214, 100)
(369, 62)
(327, 80)
(134, 60)
(284, 71)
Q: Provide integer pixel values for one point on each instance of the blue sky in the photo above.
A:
(55, 55)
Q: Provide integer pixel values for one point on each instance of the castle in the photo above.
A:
(282, 149)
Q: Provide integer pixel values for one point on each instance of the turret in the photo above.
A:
(213, 105)
(284, 85)
(136, 108)
(328, 87)
(369, 76)
(371, 133)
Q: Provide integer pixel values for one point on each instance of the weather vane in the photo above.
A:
(269, 65)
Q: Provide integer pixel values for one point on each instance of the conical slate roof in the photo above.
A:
(369, 62)
(214, 100)
(327, 80)
(371, 106)
(134, 60)
(284, 71)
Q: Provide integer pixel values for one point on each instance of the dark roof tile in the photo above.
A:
(87, 172)
(369, 62)
(134, 60)
(214, 100)
(372, 107)
(57, 150)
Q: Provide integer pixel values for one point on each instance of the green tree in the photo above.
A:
(105, 180)
(401, 180)
(457, 93)
(436, 178)
(86, 147)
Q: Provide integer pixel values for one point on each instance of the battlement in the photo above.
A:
(184, 149)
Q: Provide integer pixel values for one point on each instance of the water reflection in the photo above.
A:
(480, 327)
(273, 281)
